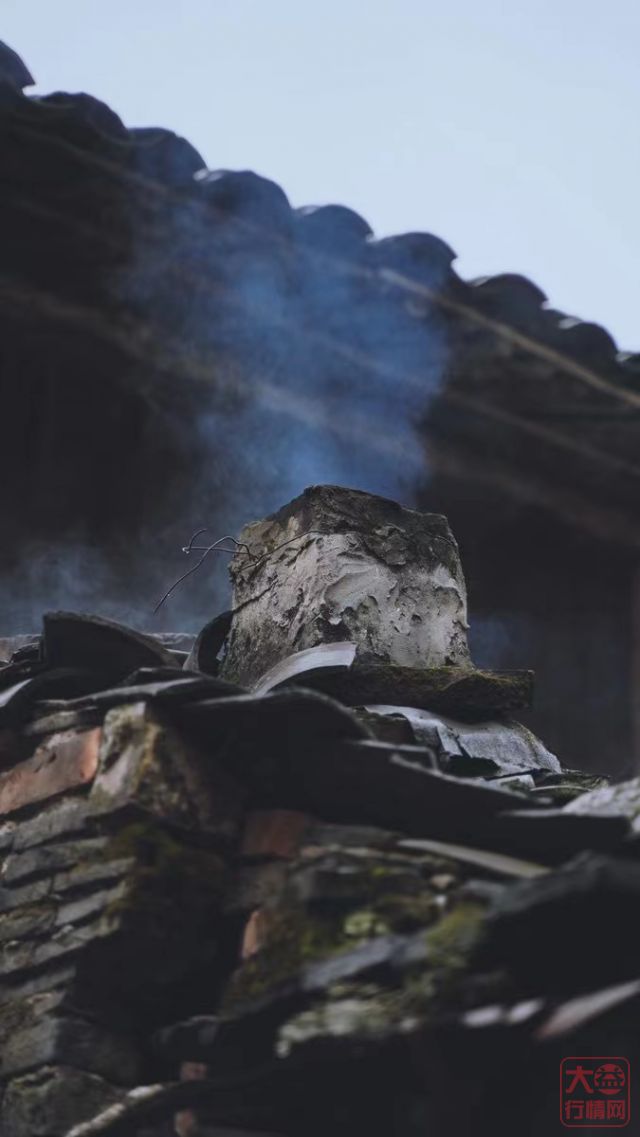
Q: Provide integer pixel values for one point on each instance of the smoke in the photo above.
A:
(310, 367)
(253, 350)
(67, 575)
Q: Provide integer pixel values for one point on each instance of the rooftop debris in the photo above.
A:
(231, 902)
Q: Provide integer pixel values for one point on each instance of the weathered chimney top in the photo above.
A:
(339, 564)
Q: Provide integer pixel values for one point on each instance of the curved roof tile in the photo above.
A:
(12, 68)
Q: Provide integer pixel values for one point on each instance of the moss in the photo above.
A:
(386, 894)
(363, 924)
(171, 883)
(424, 992)
(405, 913)
(462, 692)
(450, 945)
(363, 1010)
(295, 939)
(396, 893)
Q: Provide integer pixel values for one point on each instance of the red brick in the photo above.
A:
(185, 1122)
(255, 931)
(62, 762)
(193, 1071)
(273, 833)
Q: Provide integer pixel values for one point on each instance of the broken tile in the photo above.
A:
(72, 639)
(480, 749)
(206, 649)
(18, 700)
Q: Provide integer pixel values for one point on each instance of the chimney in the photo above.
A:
(339, 565)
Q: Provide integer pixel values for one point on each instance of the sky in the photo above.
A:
(506, 127)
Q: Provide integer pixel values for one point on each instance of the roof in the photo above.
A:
(543, 404)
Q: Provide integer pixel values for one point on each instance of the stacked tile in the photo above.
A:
(276, 912)
(376, 969)
(115, 841)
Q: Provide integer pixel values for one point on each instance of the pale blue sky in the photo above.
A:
(507, 127)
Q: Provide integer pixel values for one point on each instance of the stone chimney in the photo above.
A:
(339, 565)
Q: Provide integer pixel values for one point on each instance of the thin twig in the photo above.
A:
(215, 547)
(191, 548)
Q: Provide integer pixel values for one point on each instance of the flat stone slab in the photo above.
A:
(341, 671)
(454, 691)
(47, 859)
(58, 820)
